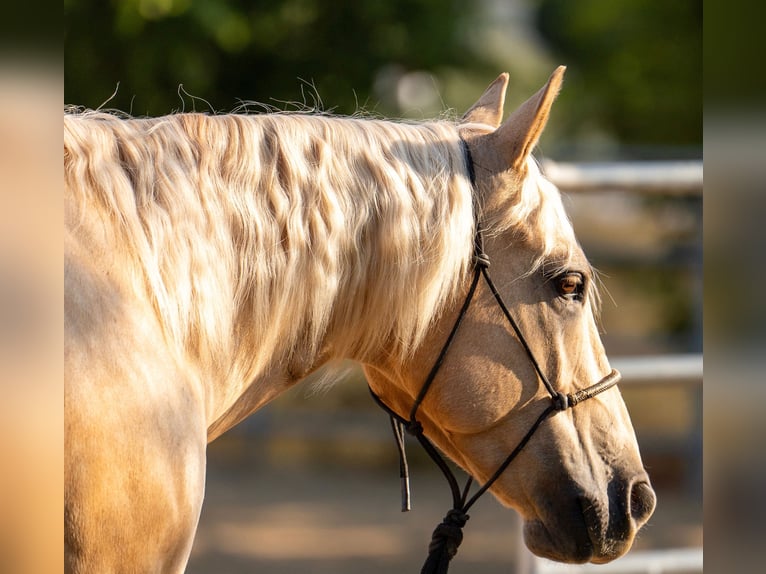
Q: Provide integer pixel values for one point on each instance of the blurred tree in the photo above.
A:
(634, 72)
(257, 50)
(635, 67)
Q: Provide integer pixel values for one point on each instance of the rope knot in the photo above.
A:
(561, 402)
(456, 517)
(414, 428)
(445, 541)
(481, 259)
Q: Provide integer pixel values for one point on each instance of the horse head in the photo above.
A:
(578, 482)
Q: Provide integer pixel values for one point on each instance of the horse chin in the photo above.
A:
(576, 542)
(568, 548)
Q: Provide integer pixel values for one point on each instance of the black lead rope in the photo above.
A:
(448, 534)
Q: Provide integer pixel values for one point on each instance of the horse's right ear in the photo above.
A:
(489, 107)
(520, 132)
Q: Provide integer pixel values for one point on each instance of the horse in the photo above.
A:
(214, 261)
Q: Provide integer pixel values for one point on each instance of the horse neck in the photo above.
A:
(269, 244)
(348, 236)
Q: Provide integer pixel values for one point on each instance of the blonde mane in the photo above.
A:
(260, 238)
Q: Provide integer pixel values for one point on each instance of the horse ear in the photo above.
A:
(519, 133)
(489, 107)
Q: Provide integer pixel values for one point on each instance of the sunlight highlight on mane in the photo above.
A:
(258, 238)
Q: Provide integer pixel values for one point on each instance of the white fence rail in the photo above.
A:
(683, 369)
(646, 177)
(676, 561)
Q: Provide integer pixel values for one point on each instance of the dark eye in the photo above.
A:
(570, 285)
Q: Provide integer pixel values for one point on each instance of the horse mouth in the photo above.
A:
(583, 537)
(570, 549)
(589, 528)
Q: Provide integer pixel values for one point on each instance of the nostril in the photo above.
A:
(642, 502)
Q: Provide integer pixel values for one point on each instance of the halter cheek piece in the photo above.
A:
(448, 534)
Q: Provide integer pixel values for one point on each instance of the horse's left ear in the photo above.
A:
(519, 133)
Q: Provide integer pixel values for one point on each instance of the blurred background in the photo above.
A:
(310, 483)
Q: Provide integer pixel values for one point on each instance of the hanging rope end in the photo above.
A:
(406, 505)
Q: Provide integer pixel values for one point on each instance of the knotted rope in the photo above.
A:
(445, 541)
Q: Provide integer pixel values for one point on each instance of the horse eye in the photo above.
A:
(570, 285)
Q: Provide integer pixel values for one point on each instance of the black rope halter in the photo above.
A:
(448, 534)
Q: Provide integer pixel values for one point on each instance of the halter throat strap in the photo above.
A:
(448, 534)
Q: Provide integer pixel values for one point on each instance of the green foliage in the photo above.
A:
(635, 66)
(259, 50)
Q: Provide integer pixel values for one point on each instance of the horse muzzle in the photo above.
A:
(592, 528)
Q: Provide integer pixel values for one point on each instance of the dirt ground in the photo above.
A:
(269, 511)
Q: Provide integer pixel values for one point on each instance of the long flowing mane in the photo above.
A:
(245, 232)
(252, 228)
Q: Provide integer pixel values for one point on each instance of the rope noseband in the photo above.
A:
(448, 534)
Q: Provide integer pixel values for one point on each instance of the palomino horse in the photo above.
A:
(214, 261)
